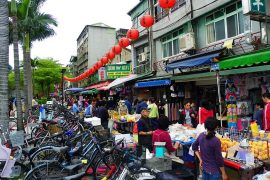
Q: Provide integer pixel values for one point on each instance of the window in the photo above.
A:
(225, 23)
(170, 43)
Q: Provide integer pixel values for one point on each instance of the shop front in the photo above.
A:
(246, 78)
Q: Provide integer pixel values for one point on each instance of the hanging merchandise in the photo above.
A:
(244, 108)
(147, 21)
(231, 96)
(173, 91)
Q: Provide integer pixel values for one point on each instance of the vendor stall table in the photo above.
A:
(237, 170)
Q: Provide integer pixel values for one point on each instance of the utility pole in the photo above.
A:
(63, 72)
(150, 35)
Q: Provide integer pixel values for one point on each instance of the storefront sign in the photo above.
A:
(118, 70)
(102, 74)
(254, 7)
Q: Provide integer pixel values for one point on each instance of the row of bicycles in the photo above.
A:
(69, 148)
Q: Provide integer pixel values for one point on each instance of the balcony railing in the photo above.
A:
(142, 69)
(178, 4)
(240, 46)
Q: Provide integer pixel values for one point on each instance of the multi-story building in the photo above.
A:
(193, 30)
(93, 42)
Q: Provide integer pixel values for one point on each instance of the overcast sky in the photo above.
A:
(72, 16)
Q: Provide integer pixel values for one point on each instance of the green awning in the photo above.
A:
(245, 70)
(258, 57)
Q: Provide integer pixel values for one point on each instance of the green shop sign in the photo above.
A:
(118, 70)
(258, 6)
(254, 6)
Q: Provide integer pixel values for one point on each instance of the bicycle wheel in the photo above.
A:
(47, 171)
(46, 154)
(105, 167)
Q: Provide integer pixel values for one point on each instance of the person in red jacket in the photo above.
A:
(205, 112)
(266, 111)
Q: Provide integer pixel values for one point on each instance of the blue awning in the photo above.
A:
(194, 62)
(75, 89)
(161, 82)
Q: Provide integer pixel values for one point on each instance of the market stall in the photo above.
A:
(244, 152)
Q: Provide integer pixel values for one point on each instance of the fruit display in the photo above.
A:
(122, 117)
(260, 149)
(226, 143)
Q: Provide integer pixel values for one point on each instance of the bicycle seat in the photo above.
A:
(76, 176)
(60, 149)
(74, 167)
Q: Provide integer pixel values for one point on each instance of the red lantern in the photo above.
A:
(117, 49)
(167, 4)
(111, 55)
(104, 60)
(147, 21)
(133, 34)
(124, 42)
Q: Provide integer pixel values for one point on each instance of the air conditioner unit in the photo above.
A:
(142, 57)
(187, 42)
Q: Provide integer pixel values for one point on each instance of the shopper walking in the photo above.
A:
(91, 110)
(207, 148)
(187, 115)
(75, 108)
(128, 104)
(266, 112)
(103, 114)
(153, 115)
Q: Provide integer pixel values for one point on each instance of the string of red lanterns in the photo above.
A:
(124, 42)
(133, 34)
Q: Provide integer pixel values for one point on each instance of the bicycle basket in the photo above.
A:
(54, 129)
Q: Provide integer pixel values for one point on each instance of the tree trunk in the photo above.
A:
(28, 72)
(30, 81)
(4, 58)
(17, 74)
(26, 105)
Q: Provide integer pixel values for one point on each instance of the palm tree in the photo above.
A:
(33, 25)
(13, 13)
(4, 42)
